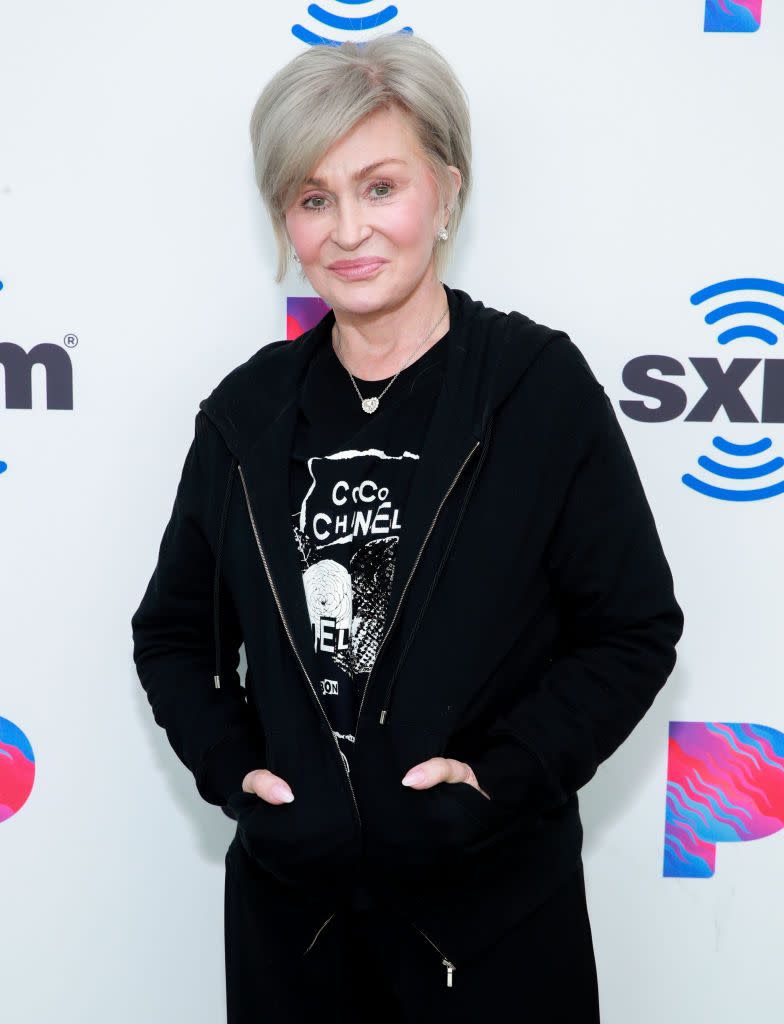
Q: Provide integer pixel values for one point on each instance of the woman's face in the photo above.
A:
(389, 212)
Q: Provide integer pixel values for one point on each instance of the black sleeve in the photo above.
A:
(612, 581)
(213, 730)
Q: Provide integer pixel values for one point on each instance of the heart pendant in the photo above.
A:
(370, 404)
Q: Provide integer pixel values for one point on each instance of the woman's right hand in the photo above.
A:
(269, 787)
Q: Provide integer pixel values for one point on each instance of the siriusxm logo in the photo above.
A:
(3, 465)
(733, 15)
(18, 375)
(18, 369)
(722, 391)
(344, 22)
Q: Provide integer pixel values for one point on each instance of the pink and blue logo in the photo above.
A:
(302, 313)
(17, 768)
(733, 15)
(725, 784)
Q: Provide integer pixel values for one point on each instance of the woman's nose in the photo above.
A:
(350, 230)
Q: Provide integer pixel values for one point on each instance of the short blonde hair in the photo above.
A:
(325, 90)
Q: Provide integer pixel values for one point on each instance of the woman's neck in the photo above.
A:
(379, 345)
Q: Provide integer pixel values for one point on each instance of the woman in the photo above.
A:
(424, 522)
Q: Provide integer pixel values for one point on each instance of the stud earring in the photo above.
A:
(443, 234)
(295, 257)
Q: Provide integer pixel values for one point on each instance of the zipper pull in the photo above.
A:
(450, 970)
(217, 682)
(450, 967)
(383, 716)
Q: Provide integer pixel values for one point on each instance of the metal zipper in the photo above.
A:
(293, 645)
(438, 571)
(450, 967)
(321, 929)
(405, 588)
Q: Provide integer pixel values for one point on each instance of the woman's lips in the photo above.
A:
(359, 271)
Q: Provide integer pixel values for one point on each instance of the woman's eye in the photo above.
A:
(319, 200)
(384, 184)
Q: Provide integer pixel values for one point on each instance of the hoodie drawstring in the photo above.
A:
(216, 587)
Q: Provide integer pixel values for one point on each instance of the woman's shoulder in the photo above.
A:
(566, 364)
(247, 377)
(258, 362)
(252, 393)
(547, 353)
(550, 360)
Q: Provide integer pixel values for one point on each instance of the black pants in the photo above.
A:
(363, 968)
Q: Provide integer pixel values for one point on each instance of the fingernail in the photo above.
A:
(282, 792)
(415, 775)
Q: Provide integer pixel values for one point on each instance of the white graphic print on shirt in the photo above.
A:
(347, 529)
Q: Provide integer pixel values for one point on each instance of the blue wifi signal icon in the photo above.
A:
(757, 470)
(753, 472)
(732, 308)
(344, 22)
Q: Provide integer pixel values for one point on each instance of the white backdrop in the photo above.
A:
(624, 159)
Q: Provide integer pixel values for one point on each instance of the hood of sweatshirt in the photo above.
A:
(489, 352)
(254, 408)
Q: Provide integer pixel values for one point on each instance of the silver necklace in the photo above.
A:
(371, 404)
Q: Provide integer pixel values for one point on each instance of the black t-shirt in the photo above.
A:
(350, 475)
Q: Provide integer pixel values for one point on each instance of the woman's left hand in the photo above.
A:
(441, 769)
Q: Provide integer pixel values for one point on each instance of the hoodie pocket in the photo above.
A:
(483, 809)
(488, 813)
(411, 833)
(312, 840)
(269, 927)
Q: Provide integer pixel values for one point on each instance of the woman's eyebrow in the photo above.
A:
(320, 183)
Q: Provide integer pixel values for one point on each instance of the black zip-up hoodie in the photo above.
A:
(531, 623)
